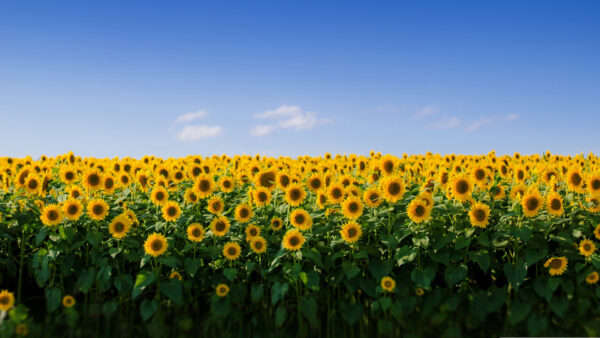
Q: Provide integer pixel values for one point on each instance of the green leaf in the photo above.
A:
(350, 269)
(314, 256)
(351, 312)
(109, 308)
(192, 266)
(148, 308)
(406, 254)
(532, 255)
(230, 273)
(385, 303)
(518, 311)
(86, 280)
(423, 277)
(310, 279)
(280, 315)
(169, 261)
(559, 305)
(142, 280)
(455, 274)
(380, 269)
(309, 309)
(536, 324)
(256, 292)
(53, 298)
(124, 283)
(482, 258)
(278, 292)
(515, 273)
(542, 288)
(173, 290)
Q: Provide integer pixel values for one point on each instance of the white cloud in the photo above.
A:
(287, 117)
(427, 111)
(200, 114)
(263, 130)
(193, 133)
(478, 124)
(447, 123)
(512, 117)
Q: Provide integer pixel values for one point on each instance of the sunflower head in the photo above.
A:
(258, 244)
(294, 195)
(156, 244)
(219, 226)
(222, 290)
(575, 180)
(388, 284)
(243, 213)
(7, 300)
(276, 223)
(119, 227)
(252, 231)
(195, 232)
(315, 182)
(555, 204)
(352, 207)
(68, 301)
(175, 274)
(592, 278)
(351, 232)
(479, 215)
(92, 180)
(418, 211)
(226, 184)
(266, 179)
(461, 188)
(215, 205)
(335, 193)
(51, 215)
(159, 195)
(557, 265)
(204, 186)
(190, 196)
(171, 211)
(293, 240)
(232, 251)
(261, 196)
(301, 219)
(532, 202)
(587, 247)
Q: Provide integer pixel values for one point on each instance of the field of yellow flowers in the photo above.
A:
(422, 245)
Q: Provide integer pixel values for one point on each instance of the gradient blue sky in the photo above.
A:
(112, 78)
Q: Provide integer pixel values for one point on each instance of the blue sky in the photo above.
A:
(296, 77)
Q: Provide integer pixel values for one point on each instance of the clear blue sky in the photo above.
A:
(296, 77)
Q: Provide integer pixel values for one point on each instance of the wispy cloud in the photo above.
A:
(427, 111)
(478, 124)
(447, 123)
(196, 132)
(512, 117)
(200, 114)
(287, 117)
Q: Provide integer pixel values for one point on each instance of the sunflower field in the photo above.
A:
(378, 245)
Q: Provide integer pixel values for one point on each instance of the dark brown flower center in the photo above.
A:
(220, 226)
(595, 184)
(69, 175)
(109, 183)
(172, 211)
(204, 186)
(555, 204)
(156, 245)
(352, 232)
(587, 247)
(232, 251)
(419, 210)
(98, 209)
(294, 241)
(262, 196)
(479, 215)
(52, 215)
(244, 213)
(119, 227)
(32, 184)
(159, 196)
(266, 179)
(394, 188)
(295, 194)
(315, 183)
(336, 193)
(72, 209)
(258, 245)
(253, 232)
(353, 207)
(576, 179)
(556, 263)
(299, 218)
(93, 180)
(532, 203)
(196, 232)
(479, 174)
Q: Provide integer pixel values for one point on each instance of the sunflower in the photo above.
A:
(175, 274)
(321, 200)
(392, 188)
(461, 187)
(68, 301)
(479, 175)
(555, 204)
(222, 290)
(594, 203)
(261, 196)
(266, 179)
(293, 240)
(21, 329)
(51, 215)
(119, 227)
(497, 192)
(33, 183)
(226, 184)
(276, 223)
(97, 209)
(215, 205)
(587, 247)
(252, 231)
(532, 202)
(7, 300)
(92, 180)
(388, 284)
(258, 244)
(204, 186)
(517, 191)
(74, 191)
(427, 197)
(592, 278)
(388, 164)
(575, 180)
(351, 232)
(294, 194)
(283, 180)
(159, 195)
(418, 211)
(68, 174)
(315, 182)
(479, 215)
(419, 292)
(335, 193)
(243, 213)
(155, 245)
(142, 180)
(597, 232)
(190, 196)
(593, 184)
(132, 217)
(301, 219)
(108, 185)
(352, 207)
(219, 226)
(232, 251)
(195, 232)
(558, 265)
(72, 209)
